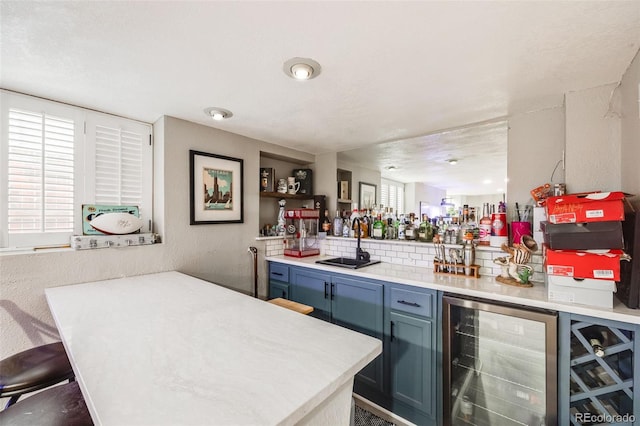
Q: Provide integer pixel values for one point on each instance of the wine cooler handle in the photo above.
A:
(404, 302)
(391, 334)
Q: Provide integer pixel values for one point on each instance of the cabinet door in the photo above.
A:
(358, 305)
(412, 361)
(311, 288)
(278, 289)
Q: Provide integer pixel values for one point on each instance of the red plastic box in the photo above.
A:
(597, 264)
(591, 207)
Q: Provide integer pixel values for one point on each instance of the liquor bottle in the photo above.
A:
(390, 228)
(346, 226)
(355, 214)
(425, 232)
(367, 222)
(337, 225)
(326, 223)
(401, 227)
(378, 230)
(410, 231)
(465, 227)
(485, 226)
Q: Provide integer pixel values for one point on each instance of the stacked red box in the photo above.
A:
(594, 264)
(572, 269)
(589, 207)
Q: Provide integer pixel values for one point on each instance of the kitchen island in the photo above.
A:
(172, 349)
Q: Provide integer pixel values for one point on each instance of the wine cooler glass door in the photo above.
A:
(499, 366)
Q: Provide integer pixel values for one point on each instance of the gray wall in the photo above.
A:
(630, 130)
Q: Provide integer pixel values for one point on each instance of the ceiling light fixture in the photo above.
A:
(302, 68)
(218, 114)
(453, 162)
(391, 168)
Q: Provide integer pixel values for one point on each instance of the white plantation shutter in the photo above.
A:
(118, 166)
(392, 195)
(122, 160)
(54, 158)
(40, 173)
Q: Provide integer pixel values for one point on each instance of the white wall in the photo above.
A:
(536, 142)
(593, 159)
(324, 170)
(417, 192)
(360, 174)
(630, 130)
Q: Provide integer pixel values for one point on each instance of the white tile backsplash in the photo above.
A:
(418, 254)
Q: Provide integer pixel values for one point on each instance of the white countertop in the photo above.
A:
(485, 287)
(171, 349)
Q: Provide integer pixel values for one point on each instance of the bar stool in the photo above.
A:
(57, 406)
(34, 369)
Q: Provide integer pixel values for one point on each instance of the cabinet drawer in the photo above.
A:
(413, 302)
(279, 272)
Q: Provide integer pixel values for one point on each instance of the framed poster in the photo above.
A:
(367, 196)
(216, 188)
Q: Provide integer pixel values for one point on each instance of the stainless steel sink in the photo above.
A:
(347, 262)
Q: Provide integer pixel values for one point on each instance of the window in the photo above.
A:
(57, 157)
(392, 195)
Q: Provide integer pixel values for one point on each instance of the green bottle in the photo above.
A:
(425, 232)
(379, 230)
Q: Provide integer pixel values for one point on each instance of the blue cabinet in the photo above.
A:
(312, 288)
(413, 391)
(358, 305)
(349, 302)
(412, 361)
(278, 281)
(404, 379)
(597, 371)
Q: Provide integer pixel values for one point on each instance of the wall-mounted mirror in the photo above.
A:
(467, 163)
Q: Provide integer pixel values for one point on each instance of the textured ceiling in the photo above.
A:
(390, 70)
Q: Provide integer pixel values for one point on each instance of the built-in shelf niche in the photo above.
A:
(344, 197)
(283, 167)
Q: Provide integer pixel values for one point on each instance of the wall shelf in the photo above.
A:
(286, 196)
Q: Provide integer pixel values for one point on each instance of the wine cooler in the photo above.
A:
(499, 364)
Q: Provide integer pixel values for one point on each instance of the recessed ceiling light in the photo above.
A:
(452, 162)
(487, 181)
(302, 68)
(218, 114)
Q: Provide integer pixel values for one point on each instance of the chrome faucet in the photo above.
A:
(360, 254)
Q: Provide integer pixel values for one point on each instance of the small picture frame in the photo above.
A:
(216, 188)
(367, 196)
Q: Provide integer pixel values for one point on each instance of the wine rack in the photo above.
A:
(602, 361)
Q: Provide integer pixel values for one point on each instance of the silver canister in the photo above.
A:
(559, 189)
(469, 256)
